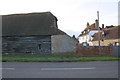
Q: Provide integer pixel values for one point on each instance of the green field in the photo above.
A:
(56, 58)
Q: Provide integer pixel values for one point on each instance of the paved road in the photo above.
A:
(94, 69)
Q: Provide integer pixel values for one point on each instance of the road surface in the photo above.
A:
(92, 69)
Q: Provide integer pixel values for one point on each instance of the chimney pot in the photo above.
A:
(102, 25)
(87, 25)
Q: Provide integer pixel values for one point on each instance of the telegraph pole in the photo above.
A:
(98, 29)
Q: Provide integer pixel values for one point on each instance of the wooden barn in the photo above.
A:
(34, 33)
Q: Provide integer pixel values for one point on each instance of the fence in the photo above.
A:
(116, 51)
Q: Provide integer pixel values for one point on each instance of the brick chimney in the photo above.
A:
(96, 23)
(87, 25)
(102, 26)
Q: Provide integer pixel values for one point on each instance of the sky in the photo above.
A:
(72, 15)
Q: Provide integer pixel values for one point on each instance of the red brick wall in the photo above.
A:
(94, 50)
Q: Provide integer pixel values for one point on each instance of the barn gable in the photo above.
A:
(30, 24)
(29, 33)
(34, 33)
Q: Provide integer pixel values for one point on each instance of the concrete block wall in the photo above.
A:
(63, 44)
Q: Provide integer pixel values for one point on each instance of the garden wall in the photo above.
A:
(94, 50)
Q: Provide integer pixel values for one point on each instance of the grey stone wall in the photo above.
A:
(63, 44)
(29, 45)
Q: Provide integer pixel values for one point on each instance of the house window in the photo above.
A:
(81, 38)
(39, 45)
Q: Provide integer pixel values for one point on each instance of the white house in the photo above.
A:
(86, 36)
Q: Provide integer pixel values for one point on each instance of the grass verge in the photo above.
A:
(56, 58)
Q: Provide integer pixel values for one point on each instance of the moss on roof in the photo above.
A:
(30, 24)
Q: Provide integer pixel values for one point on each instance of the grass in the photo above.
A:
(56, 58)
(54, 55)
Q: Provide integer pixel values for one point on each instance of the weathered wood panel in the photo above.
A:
(31, 45)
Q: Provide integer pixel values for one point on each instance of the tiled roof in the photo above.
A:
(91, 27)
(109, 33)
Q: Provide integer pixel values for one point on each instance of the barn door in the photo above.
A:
(44, 48)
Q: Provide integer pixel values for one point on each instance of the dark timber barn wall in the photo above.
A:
(29, 33)
(29, 45)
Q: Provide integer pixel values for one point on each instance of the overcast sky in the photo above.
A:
(72, 14)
